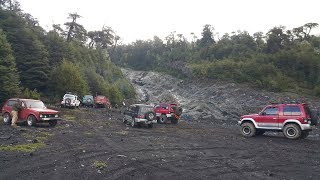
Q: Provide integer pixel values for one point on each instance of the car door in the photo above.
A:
(269, 117)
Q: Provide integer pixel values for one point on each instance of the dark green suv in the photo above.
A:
(88, 101)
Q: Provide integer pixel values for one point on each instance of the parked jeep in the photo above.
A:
(70, 100)
(168, 112)
(33, 111)
(88, 101)
(139, 114)
(294, 120)
(102, 101)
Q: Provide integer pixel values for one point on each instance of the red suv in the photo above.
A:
(294, 120)
(168, 111)
(101, 101)
(33, 111)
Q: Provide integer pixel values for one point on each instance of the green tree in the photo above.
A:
(75, 31)
(9, 81)
(67, 77)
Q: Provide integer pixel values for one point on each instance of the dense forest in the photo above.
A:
(279, 60)
(39, 64)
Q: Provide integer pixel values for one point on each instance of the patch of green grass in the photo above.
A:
(69, 117)
(22, 147)
(99, 164)
(88, 133)
(123, 132)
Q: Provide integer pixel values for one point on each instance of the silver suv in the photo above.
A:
(70, 100)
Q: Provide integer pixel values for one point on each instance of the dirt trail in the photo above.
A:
(95, 144)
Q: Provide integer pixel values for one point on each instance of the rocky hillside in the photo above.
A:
(207, 100)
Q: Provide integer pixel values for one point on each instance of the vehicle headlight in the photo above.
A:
(41, 116)
(56, 115)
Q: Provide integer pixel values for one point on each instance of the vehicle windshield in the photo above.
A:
(100, 97)
(145, 109)
(70, 96)
(35, 104)
(88, 97)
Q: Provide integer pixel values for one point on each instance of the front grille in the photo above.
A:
(48, 115)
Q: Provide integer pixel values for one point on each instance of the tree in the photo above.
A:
(207, 36)
(9, 81)
(67, 77)
(75, 31)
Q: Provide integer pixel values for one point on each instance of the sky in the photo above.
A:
(143, 19)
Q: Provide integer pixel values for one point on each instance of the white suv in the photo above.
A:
(70, 100)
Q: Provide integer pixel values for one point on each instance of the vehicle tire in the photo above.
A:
(31, 121)
(163, 119)
(292, 131)
(124, 120)
(179, 111)
(150, 115)
(7, 118)
(133, 123)
(67, 102)
(174, 120)
(314, 118)
(248, 130)
(304, 134)
(53, 123)
(260, 132)
(150, 125)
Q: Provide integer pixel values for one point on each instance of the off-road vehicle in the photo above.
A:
(102, 101)
(33, 111)
(294, 120)
(70, 100)
(168, 112)
(140, 114)
(87, 101)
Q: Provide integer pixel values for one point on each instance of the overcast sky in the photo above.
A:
(142, 19)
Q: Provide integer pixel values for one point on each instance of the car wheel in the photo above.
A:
(133, 123)
(150, 116)
(174, 120)
(53, 123)
(124, 120)
(163, 119)
(31, 121)
(7, 118)
(292, 131)
(260, 132)
(304, 134)
(248, 129)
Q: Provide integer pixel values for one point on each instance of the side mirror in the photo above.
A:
(263, 113)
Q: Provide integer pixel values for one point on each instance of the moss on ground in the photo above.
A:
(99, 164)
(30, 147)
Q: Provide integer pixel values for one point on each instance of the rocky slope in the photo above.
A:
(206, 100)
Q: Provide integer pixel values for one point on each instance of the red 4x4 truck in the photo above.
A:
(168, 111)
(294, 120)
(33, 111)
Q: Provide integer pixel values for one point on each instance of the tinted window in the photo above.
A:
(271, 111)
(145, 109)
(164, 106)
(291, 110)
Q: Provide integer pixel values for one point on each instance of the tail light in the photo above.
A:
(140, 116)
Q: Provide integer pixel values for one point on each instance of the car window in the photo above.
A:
(291, 110)
(11, 102)
(35, 104)
(164, 106)
(145, 109)
(69, 96)
(271, 111)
